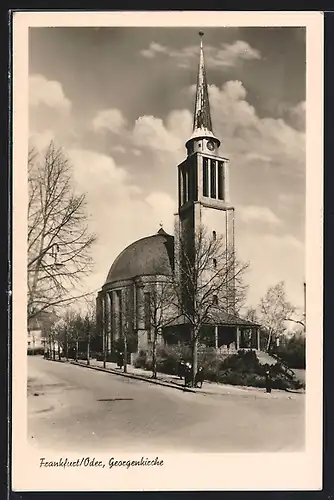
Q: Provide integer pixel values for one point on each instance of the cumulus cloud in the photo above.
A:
(154, 48)
(247, 138)
(226, 55)
(152, 133)
(294, 114)
(121, 210)
(273, 258)
(118, 149)
(245, 133)
(253, 213)
(297, 115)
(47, 92)
(109, 119)
(163, 209)
(41, 140)
(118, 210)
(252, 143)
(231, 53)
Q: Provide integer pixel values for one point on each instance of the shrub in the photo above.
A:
(140, 360)
(243, 362)
(292, 352)
(38, 351)
(167, 360)
(242, 369)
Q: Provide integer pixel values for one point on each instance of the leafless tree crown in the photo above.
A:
(59, 241)
(211, 279)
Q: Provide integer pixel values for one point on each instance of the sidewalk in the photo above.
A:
(209, 388)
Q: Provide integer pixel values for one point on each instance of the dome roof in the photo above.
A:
(147, 256)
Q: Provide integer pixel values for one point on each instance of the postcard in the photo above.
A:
(167, 251)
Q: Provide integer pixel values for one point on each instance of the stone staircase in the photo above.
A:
(265, 358)
(270, 359)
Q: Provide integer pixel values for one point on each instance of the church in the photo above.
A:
(124, 301)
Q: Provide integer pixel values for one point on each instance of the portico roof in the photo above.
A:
(221, 318)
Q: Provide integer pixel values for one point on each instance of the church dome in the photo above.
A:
(147, 256)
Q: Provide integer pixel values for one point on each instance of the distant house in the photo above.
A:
(38, 330)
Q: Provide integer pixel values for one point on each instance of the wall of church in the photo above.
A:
(219, 221)
(219, 225)
(124, 310)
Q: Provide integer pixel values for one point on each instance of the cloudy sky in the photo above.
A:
(120, 101)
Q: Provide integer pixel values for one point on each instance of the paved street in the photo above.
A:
(74, 408)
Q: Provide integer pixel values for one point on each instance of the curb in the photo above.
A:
(160, 382)
(136, 377)
(292, 391)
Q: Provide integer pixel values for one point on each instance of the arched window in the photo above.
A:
(214, 235)
(215, 263)
(215, 300)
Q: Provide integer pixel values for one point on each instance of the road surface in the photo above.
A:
(77, 409)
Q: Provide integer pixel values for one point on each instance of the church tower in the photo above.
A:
(203, 187)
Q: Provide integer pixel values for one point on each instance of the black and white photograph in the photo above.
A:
(167, 291)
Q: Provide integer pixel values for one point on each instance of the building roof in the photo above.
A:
(221, 319)
(147, 256)
(202, 124)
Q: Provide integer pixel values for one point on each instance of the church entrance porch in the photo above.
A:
(226, 338)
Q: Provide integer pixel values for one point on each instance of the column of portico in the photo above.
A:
(99, 315)
(105, 322)
(238, 338)
(216, 337)
(116, 314)
(110, 316)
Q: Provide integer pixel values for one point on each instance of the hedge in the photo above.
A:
(242, 368)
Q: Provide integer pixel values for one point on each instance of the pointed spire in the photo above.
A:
(202, 115)
(202, 125)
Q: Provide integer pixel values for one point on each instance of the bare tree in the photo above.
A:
(57, 226)
(159, 312)
(274, 311)
(89, 327)
(58, 332)
(122, 321)
(209, 282)
(296, 320)
(251, 315)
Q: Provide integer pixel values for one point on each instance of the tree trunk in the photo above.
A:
(125, 361)
(194, 357)
(269, 341)
(88, 349)
(104, 349)
(154, 355)
(59, 353)
(53, 350)
(66, 344)
(76, 350)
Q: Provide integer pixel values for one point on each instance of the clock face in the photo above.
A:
(210, 145)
